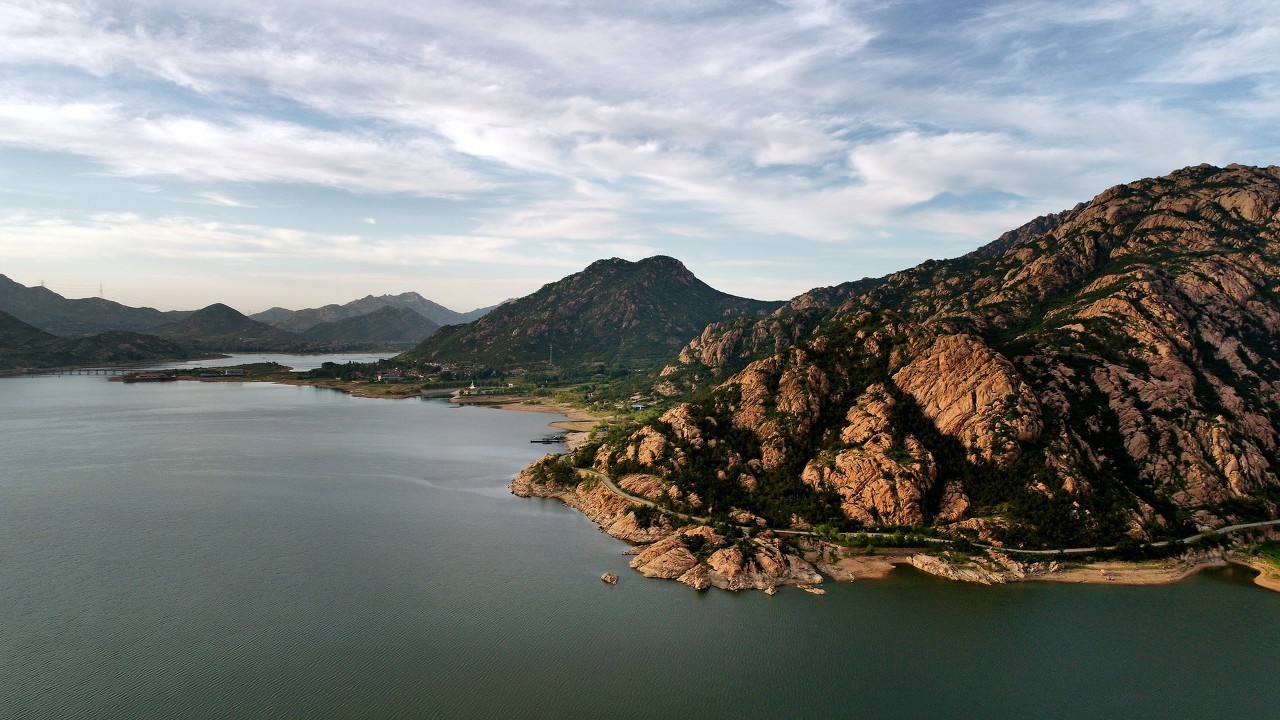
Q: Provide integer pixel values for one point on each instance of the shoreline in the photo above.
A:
(862, 566)
(882, 562)
(577, 428)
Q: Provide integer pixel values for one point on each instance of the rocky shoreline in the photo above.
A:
(698, 556)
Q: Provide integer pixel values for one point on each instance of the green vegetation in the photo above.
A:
(24, 346)
(1268, 551)
(613, 312)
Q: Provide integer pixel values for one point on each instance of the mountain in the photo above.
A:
(53, 313)
(613, 310)
(25, 346)
(219, 327)
(386, 324)
(273, 316)
(302, 320)
(1109, 373)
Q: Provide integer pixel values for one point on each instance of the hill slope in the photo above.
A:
(25, 346)
(613, 310)
(1108, 372)
(386, 324)
(53, 313)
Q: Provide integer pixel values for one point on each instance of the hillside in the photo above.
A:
(386, 324)
(55, 314)
(1105, 373)
(300, 321)
(219, 327)
(614, 310)
(25, 346)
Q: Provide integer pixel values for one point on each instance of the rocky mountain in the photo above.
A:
(386, 324)
(1108, 372)
(299, 321)
(51, 312)
(25, 346)
(613, 310)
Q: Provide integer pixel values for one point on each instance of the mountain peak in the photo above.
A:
(1099, 375)
(613, 309)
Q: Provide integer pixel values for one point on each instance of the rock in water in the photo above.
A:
(610, 578)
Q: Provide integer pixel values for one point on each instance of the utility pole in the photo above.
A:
(100, 293)
(551, 354)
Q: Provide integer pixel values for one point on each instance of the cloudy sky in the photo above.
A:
(260, 152)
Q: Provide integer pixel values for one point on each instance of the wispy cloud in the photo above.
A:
(583, 126)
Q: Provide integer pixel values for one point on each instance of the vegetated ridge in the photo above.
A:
(613, 311)
(53, 313)
(1106, 374)
(219, 327)
(25, 346)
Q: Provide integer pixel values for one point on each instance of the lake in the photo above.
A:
(247, 550)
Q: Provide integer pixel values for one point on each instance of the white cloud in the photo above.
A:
(572, 127)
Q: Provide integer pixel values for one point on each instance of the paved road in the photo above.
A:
(1066, 551)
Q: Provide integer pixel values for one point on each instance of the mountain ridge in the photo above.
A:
(388, 323)
(300, 321)
(53, 313)
(23, 345)
(613, 310)
(1102, 374)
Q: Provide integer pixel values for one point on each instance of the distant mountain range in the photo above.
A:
(224, 328)
(300, 321)
(25, 346)
(386, 324)
(386, 319)
(614, 310)
(49, 311)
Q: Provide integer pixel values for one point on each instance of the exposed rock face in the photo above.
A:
(1109, 371)
(973, 393)
(615, 515)
(761, 566)
(666, 551)
(878, 483)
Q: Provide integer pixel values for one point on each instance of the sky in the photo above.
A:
(268, 153)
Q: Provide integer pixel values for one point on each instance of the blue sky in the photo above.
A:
(267, 153)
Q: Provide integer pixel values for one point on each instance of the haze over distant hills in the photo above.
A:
(299, 321)
(614, 310)
(388, 323)
(222, 327)
(25, 346)
(53, 313)
(372, 320)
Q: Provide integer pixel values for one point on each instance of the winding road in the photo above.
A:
(1065, 551)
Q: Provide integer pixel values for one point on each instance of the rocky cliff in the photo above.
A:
(1107, 372)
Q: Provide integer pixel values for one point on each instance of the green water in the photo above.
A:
(239, 550)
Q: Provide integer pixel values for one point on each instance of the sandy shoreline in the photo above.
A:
(577, 428)
(881, 563)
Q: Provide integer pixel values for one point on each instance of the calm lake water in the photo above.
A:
(243, 550)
